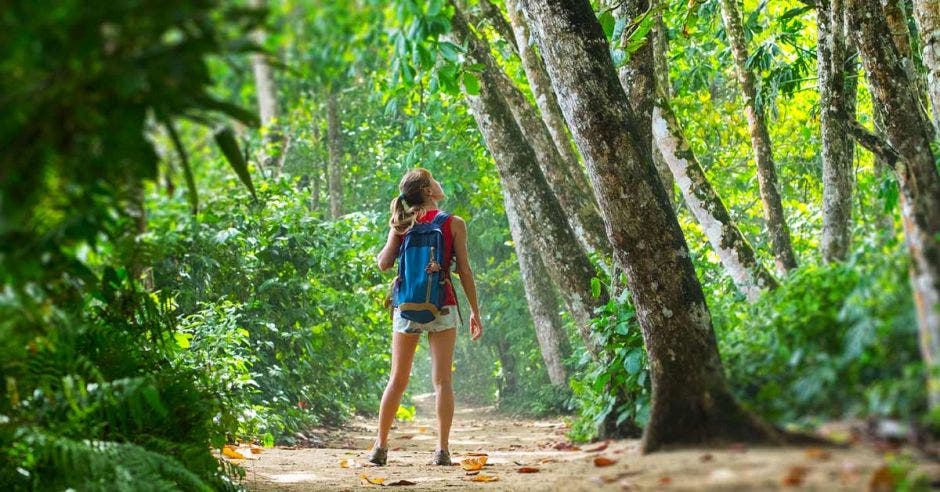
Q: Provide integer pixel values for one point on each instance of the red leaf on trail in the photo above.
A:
(603, 461)
(528, 469)
(566, 446)
(600, 447)
(795, 476)
(738, 447)
(397, 449)
(705, 457)
(400, 482)
(665, 480)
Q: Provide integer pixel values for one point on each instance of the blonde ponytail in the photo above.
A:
(410, 203)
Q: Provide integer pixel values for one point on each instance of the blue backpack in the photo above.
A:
(418, 291)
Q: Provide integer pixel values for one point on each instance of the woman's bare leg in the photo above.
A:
(403, 354)
(442, 359)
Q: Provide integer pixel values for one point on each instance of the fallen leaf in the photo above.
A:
(484, 478)
(548, 460)
(344, 463)
(882, 480)
(600, 447)
(602, 461)
(398, 483)
(476, 454)
(372, 480)
(406, 436)
(665, 480)
(397, 449)
(818, 454)
(422, 429)
(706, 457)
(738, 447)
(566, 446)
(471, 464)
(528, 469)
(794, 476)
(232, 453)
(471, 473)
(256, 449)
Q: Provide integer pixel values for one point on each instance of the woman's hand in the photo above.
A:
(476, 327)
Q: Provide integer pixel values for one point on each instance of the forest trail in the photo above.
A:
(513, 443)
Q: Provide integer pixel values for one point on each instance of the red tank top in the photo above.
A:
(450, 297)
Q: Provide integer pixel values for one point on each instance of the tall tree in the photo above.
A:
(267, 99)
(334, 142)
(837, 145)
(691, 402)
(737, 256)
(566, 261)
(927, 14)
(638, 76)
(910, 134)
(540, 296)
(564, 173)
(760, 141)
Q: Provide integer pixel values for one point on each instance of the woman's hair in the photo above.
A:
(410, 204)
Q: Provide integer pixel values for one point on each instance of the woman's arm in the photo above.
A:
(459, 228)
(389, 253)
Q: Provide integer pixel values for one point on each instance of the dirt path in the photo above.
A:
(514, 444)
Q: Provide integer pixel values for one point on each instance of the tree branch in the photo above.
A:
(874, 143)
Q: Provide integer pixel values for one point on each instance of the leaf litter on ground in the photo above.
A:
(600, 461)
(472, 464)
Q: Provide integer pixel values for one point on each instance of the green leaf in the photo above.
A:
(608, 22)
(225, 138)
(595, 287)
(192, 192)
(471, 83)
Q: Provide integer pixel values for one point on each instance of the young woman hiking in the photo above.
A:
(418, 203)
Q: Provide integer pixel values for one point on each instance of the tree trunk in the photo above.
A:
(267, 100)
(837, 145)
(691, 403)
(760, 141)
(927, 15)
(567, 263)
(910, 133)
(334, 137)
(543, 305)
(736, 254)
(636, 76)
(563, 172)
(660, 41)
(317, 169)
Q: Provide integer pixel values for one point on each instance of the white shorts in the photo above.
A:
(441, 323)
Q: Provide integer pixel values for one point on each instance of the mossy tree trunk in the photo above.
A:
(691, 402)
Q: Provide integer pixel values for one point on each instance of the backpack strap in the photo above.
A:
(440, 218)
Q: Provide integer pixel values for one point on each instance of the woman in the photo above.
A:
(418, 202)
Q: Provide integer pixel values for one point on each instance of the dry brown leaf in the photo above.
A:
(371, 480)
(528, 469)
(422, 429)
(603, 461)
(406, 436)
(256, 449)
(484, 478)
(665, 480)
(600, 447)
(818, 454)
(795, 476)
(471, 464)
(471, 473)
(232, 453)
(398, 483)
(706, 457)
(476, 454)
(882, 480)
(566, 446)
